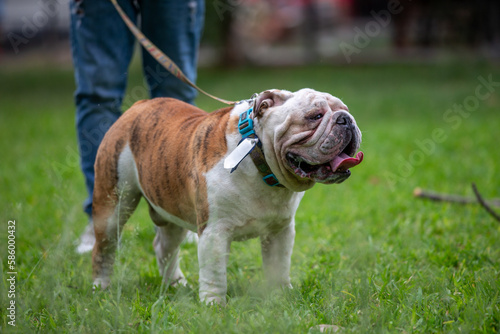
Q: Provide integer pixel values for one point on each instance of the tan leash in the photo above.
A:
(162, 58)
(256, 154)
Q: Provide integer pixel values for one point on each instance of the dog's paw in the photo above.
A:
(100, 284)
(211, 299)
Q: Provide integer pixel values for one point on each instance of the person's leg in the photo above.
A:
(175, 27)
(102, 48)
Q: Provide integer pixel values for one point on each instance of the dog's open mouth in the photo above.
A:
(333, 171)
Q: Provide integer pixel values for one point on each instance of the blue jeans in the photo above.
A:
(102, 48)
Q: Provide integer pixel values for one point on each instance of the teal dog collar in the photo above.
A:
(246, 129)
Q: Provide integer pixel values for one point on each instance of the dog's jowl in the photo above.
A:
(172, 154)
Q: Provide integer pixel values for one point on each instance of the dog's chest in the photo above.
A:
(249, 210)
(259, 217)
(249, 227)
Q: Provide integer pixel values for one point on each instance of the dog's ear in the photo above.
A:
(268, 99)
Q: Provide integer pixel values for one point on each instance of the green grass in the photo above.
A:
(368, 256)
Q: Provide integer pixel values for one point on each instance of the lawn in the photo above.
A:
(368, 256)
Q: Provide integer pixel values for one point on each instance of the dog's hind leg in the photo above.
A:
(115, 199)
(109, 220)
(166, 244)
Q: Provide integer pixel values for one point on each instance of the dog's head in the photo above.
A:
(308, 137)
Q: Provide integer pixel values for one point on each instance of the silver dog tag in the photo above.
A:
(239, 153)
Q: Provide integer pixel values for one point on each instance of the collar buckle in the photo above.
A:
(271, 180)
(245, 124)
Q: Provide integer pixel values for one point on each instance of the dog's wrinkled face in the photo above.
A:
(308, 137)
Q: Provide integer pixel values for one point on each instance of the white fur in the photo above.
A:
(242, 206)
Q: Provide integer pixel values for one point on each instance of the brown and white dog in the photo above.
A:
(172, 154)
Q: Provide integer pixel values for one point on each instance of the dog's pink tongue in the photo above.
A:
(343, 162)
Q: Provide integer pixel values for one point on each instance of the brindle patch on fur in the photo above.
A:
(173, 144)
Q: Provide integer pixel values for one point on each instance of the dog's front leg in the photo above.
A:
(213, 252)
(277, 255)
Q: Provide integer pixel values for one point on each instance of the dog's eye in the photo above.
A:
(316, 117)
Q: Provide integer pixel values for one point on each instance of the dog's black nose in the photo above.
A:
(343, 119)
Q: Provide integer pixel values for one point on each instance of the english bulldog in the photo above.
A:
(230, 175)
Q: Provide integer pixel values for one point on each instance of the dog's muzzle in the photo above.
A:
(339, 148)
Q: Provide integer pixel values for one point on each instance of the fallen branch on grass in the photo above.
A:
(484, 204)
(421, 193)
